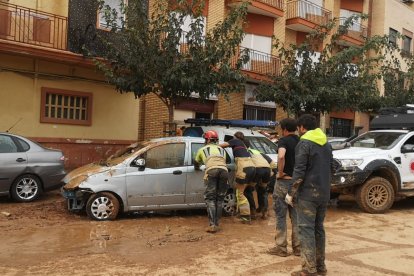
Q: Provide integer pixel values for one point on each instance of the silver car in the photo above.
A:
(27, 168)
(154, 175)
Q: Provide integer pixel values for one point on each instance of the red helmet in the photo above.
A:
(210, 135)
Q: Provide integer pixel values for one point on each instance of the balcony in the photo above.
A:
(304, 16)
(354, 35)
(32, 27)
(260, 64)
(271, 8)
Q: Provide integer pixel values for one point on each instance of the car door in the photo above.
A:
(13, 162)
(407, 165)
(195, 179)
(194, 190)
(162, 181)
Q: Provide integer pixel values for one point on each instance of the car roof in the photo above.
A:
(391, 130)
(231, 130)
(177, 139)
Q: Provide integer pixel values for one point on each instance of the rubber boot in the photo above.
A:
(211, 212)
(219, 212)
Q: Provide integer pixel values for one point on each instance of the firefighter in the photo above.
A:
(215, 177)
(264, 165)
(245, 172)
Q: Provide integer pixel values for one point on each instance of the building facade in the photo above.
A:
(50, 93)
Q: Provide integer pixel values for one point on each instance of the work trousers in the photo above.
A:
(310, 215)
(281, 209)
(216, 188)
(242, 202)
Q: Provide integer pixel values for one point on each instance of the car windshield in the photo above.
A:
(121, 155)
(262, 144)
(380, 140)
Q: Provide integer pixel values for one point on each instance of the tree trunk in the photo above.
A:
(171, 125)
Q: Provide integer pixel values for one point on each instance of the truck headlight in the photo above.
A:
(351, 162)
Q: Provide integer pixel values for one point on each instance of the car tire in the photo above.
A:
(26, 188)
(229, 204)
(375, 196)
(102, 206)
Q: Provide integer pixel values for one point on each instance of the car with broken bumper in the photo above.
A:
(154, 175)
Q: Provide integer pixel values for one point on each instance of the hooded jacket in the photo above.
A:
(313, 162)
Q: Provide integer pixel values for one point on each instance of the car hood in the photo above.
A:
(77, 176)
(356, 153)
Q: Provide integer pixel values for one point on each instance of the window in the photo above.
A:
(260, 49)
(66, 107)
(341, 127)
(262, 144)
(345, 14)
(392, 36)
(406, 47)
(114, 5)
(23, 145)
(259, 113)
(165, 156)
(7, 144)
(41, 29)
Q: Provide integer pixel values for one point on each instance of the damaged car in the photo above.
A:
(154, 175)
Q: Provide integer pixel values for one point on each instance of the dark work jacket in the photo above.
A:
(313, 162)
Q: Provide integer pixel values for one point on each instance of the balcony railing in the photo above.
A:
(308, 11)
(273, 3)
(21, 24)
(261, 63)
(355, 30)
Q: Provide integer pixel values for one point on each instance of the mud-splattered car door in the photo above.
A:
(195, 183)
(162, 181)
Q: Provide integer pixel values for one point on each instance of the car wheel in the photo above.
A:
(102, 206)
(26, 188)
(375, 196)
(229, 204)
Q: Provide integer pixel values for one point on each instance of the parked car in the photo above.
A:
(257, 141)
(154, 175)
(27, 169)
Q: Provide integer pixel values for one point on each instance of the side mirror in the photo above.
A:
(407, 148)
(140, 163)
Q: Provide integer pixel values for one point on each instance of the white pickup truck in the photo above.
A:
(378, 166)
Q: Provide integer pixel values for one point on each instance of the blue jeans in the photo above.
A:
(281, 209)
(310, 217)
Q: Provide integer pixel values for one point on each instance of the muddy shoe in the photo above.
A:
(212, 229)
(277, 251)
(296, 251)
(245, 219)
(303, 273)
(253, 215)
(322, 271)
(264, 214)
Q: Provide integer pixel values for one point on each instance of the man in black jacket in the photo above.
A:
(310, 194)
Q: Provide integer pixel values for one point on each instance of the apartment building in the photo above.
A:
(52, 94)
(287, 20)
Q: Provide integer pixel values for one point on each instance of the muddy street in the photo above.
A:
(42, 238)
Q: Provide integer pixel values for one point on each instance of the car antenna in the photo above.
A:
(14, 124)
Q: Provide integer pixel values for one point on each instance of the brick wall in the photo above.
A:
(231, 108)
(153, 114)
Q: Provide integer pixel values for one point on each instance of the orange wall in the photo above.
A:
(350, 115)
(353, 5)
(300, 37)
(259, 25)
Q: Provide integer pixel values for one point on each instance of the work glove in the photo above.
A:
(289, 200)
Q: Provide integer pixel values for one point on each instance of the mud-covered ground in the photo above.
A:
(42, 238)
